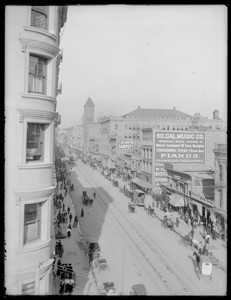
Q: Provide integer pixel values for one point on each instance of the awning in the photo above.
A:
(176, 200)
(142, 183)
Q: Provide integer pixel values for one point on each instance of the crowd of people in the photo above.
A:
(62, 270)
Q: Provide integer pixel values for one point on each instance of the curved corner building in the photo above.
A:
(32, 59)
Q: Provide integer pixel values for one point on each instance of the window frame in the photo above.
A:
(45, 62)
(38, 233)
(43, 142)
(45, 14)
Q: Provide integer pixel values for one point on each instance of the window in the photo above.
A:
(39, 17)
(125, 126)
(168, 127)
(32, 222)
(116, 126)
(37, 74)
(35, 142)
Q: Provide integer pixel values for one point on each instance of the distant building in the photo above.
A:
(171, 149)
(203, 123)
(161, 119)
(220, 199)
(91, 129)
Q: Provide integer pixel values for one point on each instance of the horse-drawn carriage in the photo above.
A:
(131, 207)
(85, 199)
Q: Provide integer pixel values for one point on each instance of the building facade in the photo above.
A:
(31, 86)
(220, 197)
(204, 123)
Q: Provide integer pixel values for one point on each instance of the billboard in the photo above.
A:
(179, 147)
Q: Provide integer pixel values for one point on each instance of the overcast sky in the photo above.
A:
(153, 56)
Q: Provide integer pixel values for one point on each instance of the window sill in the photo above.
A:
(42, 31)
(36, 165)
(38, 96)
(34, 246)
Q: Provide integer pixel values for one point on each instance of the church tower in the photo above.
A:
(88, 118)
(89, 111)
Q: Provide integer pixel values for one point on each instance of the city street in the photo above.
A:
(136, 246)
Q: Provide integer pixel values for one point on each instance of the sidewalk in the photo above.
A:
(218, 246)
(73, 254)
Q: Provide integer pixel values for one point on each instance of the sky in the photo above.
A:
(155, 56)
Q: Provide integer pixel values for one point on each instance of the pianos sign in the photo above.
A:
(180, 147)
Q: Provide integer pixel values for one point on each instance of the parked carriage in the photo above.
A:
(86, 200)
(167, 223)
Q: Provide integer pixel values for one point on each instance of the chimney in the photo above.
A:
(174, 107)
(215, 114)
(138, 106)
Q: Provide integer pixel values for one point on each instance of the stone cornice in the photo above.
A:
(38, 96)
(39, 45)
(41, 31)
(34, 195)
(49, 116)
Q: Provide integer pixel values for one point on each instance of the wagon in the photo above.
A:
(205, 266)
(138, 289)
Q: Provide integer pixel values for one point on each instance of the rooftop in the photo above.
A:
(157, 112)
(89, 102)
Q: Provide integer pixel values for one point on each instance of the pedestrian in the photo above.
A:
(192, 232)
(70, 217)
(75, 221)
(69, 226)
(63, 207)
(68, 210)
(62, 286)
(59, 267)
(94, 195)
(82, 213)
(207, 238)
(68, 232)
(197, 262)
(177, 220)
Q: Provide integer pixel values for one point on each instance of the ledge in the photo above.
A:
(41, 31)
(35, 166)
(38, 96)
(34, 246)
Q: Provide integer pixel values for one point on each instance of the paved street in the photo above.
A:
(98, 224)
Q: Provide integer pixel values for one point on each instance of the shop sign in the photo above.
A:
(180, 147)
(160, 176)
(28, 288)
(126, 144)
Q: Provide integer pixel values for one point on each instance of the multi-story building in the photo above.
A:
(161, 119)
(32, 58)
(204, 123)
(154, 173)
(220, 198)
(110, 132)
